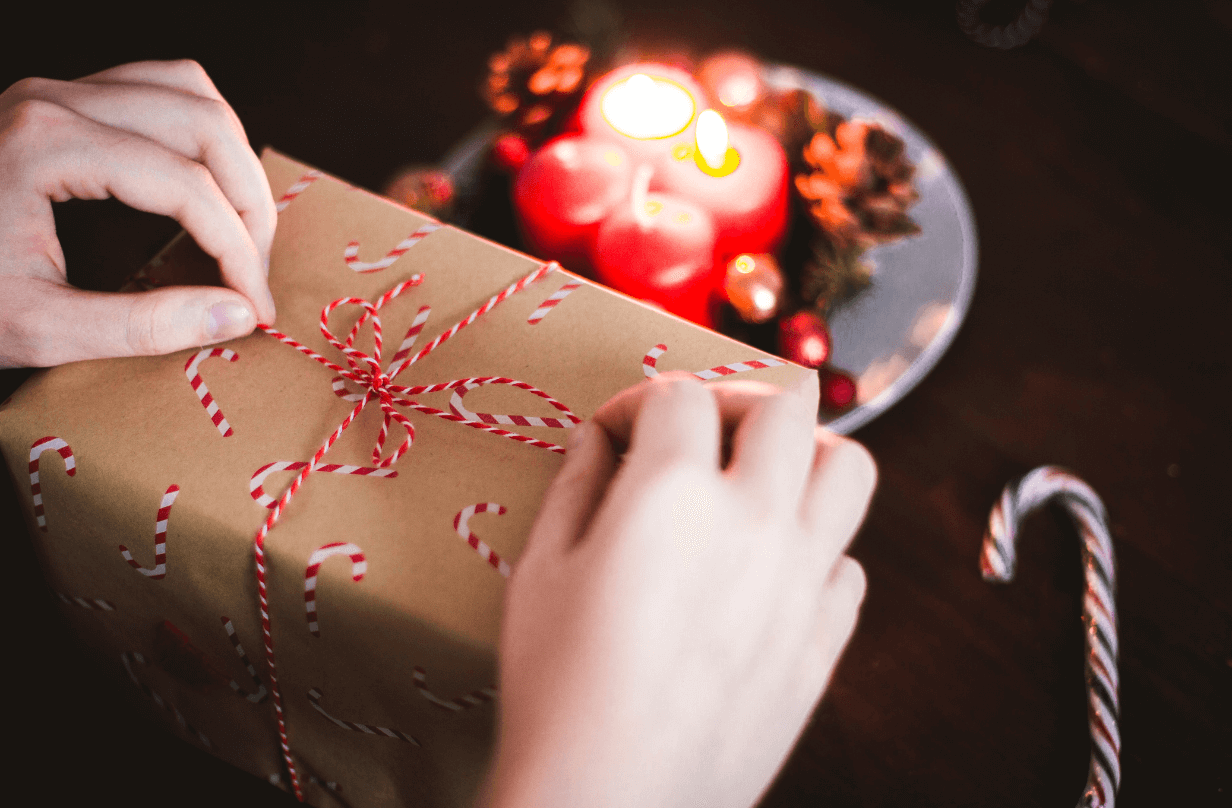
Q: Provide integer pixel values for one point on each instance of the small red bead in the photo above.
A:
(838, 389)
(510, 152)
(804, 339)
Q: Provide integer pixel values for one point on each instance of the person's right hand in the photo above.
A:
(159, 137)
(674, 619)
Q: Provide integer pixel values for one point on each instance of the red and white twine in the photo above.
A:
(351, 253)
(192, 371)
(159, 570)
(314, 696)
(378, 386)
(461, 523)
(359, 565)
(476, 698)
(256, 483)
(49, 443)
(998, 558)
(650, 361)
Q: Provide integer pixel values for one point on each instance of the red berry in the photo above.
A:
(804, 339)
(838, 390)
(510, 152)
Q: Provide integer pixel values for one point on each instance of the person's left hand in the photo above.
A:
(159, 137)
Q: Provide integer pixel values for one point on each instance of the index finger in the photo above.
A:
(735, 399)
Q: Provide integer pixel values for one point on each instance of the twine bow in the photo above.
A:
(377, 385)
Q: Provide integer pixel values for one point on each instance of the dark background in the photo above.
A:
(1097, 159)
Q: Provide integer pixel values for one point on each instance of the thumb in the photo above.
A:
(94, 325)
(575, 494)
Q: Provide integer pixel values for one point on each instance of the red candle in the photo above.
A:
(564, 191)
(643, 107)
(660, 248)
(739, 173)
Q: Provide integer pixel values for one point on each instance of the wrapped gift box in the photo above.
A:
(147, 479)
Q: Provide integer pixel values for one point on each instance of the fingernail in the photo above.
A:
(808, 387)
(228, 320)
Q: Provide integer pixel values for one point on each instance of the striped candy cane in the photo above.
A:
(351, 253)
(297, 188)
(466, 385)
(997, 562)
(651, 359)
(97, 604)
(160, 539)
(41, 445)
(359, 565)
(260, 693)
(314, 696)
(476, 698)
(256, 483)
(554, 299)
(128, 658)
(461, 523)
(192, 371)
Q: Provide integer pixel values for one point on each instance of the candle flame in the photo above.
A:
(712, 138)
(646, 108)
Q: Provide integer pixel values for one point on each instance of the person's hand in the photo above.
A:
(673, 619)
(160, 138)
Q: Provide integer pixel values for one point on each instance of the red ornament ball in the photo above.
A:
(838, 389)
(510, 152)
(804, 339)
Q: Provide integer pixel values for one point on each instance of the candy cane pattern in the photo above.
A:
(359, 565)
(259, 695)
(314, 696)
(652, 358)
(297, 188)
(256, 483)
(160, 539)
(464, 386)
(36, 489)
(998, 559)
(364, 370)
(553, 300)
(351, 253)
(192, 371)
(97, 604)
(127, 658)
(461, 523)
(476, 698)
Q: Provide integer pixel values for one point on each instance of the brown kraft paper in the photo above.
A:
(407, 610)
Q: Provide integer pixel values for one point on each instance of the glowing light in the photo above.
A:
(744, 264)
(712, 138)
(739, 91)
(646, 108)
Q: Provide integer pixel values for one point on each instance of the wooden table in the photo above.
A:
(1097, 161)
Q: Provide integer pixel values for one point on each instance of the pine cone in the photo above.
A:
(832, 275)
(532, 79)
(860, 186)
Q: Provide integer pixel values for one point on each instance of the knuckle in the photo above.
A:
(142, 334)
(33, 118)
(27, 88)
(854, 457)
(190, 69)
